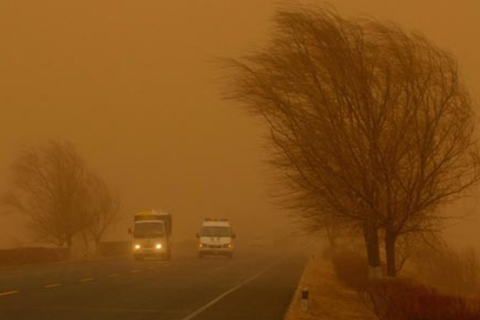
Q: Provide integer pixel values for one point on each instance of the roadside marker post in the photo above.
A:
(305, 299)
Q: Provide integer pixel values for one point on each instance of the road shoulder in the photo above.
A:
(327, 298)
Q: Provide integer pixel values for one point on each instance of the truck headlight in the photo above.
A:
(137, 246)
(228, 245)
(158, 246)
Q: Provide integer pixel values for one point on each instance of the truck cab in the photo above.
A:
(152, 235)
(215, 238)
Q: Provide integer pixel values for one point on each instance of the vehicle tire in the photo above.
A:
(138, 257)
(230, 256)
(168, 255)
(200, 255)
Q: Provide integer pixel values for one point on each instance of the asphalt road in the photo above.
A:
(258, 283)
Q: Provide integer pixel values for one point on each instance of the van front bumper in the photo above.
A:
(215, 250)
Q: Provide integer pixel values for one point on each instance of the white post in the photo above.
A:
(305, 299)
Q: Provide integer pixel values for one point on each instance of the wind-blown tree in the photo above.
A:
(370, 125)
(54, 188)
(104, 206)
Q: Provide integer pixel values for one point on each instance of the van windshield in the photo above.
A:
(216, 232)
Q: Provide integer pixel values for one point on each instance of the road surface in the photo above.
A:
(258, 283)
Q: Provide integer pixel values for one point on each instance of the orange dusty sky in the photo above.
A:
(132, 85)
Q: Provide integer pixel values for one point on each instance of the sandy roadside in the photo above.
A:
(328, 299)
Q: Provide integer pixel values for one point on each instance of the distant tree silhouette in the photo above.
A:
(54, 188)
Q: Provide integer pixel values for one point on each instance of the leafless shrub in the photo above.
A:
(350, 267)
(451, 271)
(403, 299)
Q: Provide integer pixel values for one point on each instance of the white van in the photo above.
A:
(215, 238)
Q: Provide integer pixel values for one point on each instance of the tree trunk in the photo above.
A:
(331, 238)
(98, 253)
(69, 247)
(370, 234)
(85, 242)
(390, 240)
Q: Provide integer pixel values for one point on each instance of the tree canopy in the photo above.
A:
(371, 125)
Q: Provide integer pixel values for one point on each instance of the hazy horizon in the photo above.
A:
(133, 86)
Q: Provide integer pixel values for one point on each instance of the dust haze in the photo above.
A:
(133, 86)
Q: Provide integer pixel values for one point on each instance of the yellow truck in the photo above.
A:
(152, 235)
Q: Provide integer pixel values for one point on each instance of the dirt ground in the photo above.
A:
(328, 299)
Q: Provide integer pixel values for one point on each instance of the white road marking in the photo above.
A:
(226, 293)
(220, 268)
(86, 279)
(114, 275)
(7, 293)
(52, 285)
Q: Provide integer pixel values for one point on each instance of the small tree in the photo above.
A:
(367, 122)
(54, 188)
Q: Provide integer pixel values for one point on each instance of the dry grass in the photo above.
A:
(405, 299)
(451, 271)
(334, 296)
(329, 299)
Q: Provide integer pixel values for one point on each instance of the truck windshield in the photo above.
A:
(216, 232)
(148, 230)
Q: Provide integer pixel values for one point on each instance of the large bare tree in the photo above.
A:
(59, 194)
(370, 125)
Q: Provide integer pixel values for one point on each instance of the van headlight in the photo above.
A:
(137, 246)
(158, 246)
